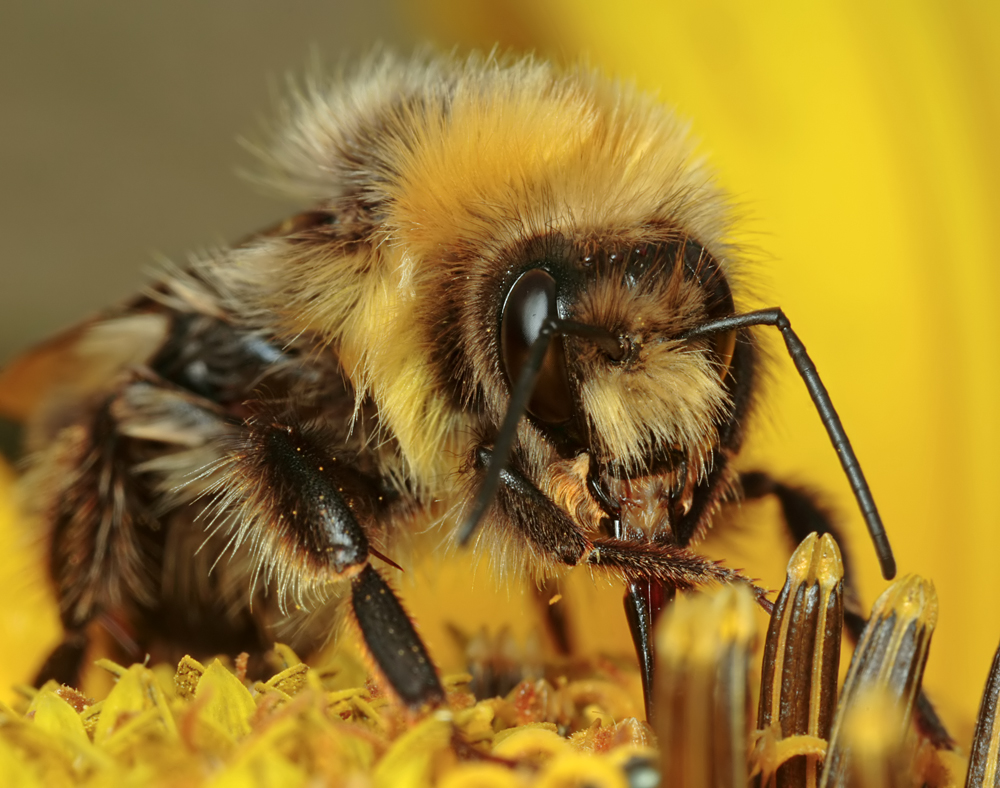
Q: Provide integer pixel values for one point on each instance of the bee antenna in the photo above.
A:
(616, 347)
(821, 399)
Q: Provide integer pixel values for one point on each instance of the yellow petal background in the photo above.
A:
(29, 622)
(862, 141)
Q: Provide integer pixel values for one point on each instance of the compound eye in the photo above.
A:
(725, 346)
(701, 266)
(721, 305)
(530, 302)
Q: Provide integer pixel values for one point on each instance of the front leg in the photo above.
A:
(533, 516)
(651, 571)
(299, 508)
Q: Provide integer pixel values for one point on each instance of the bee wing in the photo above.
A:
(28, 379)
(48, 387)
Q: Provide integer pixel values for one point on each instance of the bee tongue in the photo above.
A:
(644, 599)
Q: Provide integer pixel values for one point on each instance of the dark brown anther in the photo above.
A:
(801, 661)
(984, 758)
(888, 663)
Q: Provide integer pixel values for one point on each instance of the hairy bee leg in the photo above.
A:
(653, 574)
(534, 516)
(549, 530)
(309, 508)
(393, 641)
(676, 567)
(804, 515)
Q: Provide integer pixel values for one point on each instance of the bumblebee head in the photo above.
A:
(616, 378)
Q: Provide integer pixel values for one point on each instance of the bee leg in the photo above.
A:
(550, 531)
(804, 515)
(653, 573)
(535, 517)
(306, 520)
(803, 512)
(393, 641)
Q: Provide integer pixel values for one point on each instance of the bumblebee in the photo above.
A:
(511, 311)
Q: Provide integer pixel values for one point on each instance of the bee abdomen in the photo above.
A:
(101, 542)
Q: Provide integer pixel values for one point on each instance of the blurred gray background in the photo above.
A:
(119, 124)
